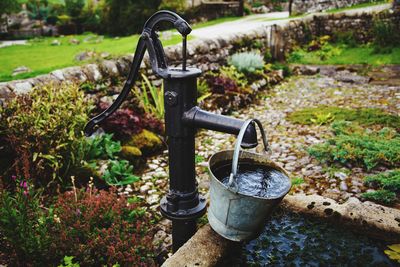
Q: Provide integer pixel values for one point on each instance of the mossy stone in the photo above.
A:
(130, 153)
(147, 142)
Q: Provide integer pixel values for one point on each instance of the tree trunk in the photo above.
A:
(290, 7)
(241, 8)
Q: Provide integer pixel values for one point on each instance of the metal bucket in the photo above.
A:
(233, 215)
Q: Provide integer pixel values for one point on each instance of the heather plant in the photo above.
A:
(100, 228)
(353, 144)
(42, 132)
(247, 62)
(24, 225)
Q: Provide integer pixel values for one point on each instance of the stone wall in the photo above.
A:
(309, 6)
(211, 54)
(301, 31)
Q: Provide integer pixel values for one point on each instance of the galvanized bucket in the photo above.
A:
(233, 215)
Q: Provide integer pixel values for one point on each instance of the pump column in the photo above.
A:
(183, 204)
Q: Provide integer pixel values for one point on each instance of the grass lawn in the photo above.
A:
(357, 55)
(41, 57)
(371, 3)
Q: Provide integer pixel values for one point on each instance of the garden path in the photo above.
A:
(252, 22)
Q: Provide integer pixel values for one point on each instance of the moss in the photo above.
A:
(146, 141)
(130, 153)
(364, 116)
(387, 180)
(362, 147)
(381, 196)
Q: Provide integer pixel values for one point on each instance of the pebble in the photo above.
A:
(144, 189)
(343, 186)
(341, 175)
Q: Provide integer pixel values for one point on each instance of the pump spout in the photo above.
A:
(196, 117)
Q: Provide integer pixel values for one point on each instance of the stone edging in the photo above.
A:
(206, 248)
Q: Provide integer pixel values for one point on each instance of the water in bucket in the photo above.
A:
(254, 179)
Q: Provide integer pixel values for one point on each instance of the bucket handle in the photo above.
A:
(235, 159)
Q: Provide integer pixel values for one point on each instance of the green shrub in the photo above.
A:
(353, 144)
(388, 181)
(381, 196)
(363, 116)
(232, 73)
(119, 172)
(101, 147)
(247, 62)
(43, 132)
(153, 104)
(346, 38)
(386, 36)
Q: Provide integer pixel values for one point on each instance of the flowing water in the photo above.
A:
(255, 180)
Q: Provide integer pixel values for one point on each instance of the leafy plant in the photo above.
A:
(388, 181)
(155, 104)
(297, 181)
(68, 262)
(321, 118)
(43, 132)
(119, 172)
(101, 147)
(353, 144)
(232, 73)
(393, 252)
(381, 196)
(24, 224)
(247, 62)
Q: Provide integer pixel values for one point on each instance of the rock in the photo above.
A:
(130, 153)
(105, 55)
(368, 218)
(74, 41)
(205, 248)
(83, 56)
(146, 141)
(58, 74)
(19, 70)
(21, 88)
(55, 42)
(341, 175)
(260, 10)
(153, 199)
(92, 72)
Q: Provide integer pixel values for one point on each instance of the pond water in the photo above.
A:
(292, 240)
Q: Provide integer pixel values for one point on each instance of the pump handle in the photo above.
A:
(148, 40)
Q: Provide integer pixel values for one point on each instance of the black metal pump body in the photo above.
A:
(183, 204)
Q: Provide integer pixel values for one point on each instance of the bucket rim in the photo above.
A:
(245, 195)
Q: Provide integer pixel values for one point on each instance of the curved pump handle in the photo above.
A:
(148, 40)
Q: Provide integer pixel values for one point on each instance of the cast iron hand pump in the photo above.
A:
(182, 204)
